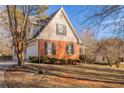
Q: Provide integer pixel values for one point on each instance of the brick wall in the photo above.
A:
(60, 49)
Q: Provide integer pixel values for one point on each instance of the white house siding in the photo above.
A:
(32, 49)
(49, 33)
(99, 59)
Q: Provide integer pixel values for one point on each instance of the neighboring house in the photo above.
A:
(100, 58)
(54, 37)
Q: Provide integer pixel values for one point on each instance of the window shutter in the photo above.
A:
(72, 48)
(66, 49)
(53, 48)
(57, 29)
(46, 48)
(65, 30)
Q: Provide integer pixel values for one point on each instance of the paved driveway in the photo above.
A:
(3, 67)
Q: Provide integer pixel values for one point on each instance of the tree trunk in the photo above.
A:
(109, 63)
(20, 57)
(117, 63)
(19, 62)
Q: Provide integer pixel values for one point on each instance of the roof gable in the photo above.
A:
(71, 26)
(44, 23)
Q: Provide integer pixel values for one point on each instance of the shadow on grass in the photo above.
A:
(35, 69)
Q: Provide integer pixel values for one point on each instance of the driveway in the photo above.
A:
(3, 67)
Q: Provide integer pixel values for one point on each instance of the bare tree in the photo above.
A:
(89, 42)
(17, 20)
(109, 16)
(112, 49)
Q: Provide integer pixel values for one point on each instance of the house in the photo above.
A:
(101, 58)
(54, 37)
(110, 49)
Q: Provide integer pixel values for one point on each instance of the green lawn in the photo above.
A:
(81, 75)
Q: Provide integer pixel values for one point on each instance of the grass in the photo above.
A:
(113, 66)
(64, 76)
(121, 66)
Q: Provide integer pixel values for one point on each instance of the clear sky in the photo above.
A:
(77, 15)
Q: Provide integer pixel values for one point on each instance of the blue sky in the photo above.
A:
(71, 12)
(77, 15)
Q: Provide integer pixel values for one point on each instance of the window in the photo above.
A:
(61, 29)
(70, 49)
(103, 59)
(50, 48)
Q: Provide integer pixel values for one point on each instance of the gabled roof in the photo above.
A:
(44, 23)
(72, 27)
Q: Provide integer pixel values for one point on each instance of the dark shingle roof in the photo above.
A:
(43, 23)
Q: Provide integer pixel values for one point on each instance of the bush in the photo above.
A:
(63, 61)
(53, 60)
(87, 59)
(30, 58)
(43, 59)
(73, 61)
(83, 58)
(70, 61)
(34, 59)
(76, 60)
